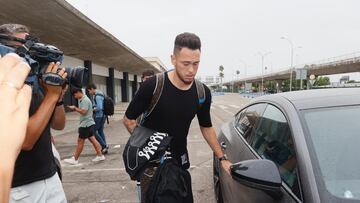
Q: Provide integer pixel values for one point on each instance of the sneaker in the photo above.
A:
(99, 158)
(71, 161)
(105, 150)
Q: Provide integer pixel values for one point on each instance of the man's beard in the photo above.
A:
(182, 79)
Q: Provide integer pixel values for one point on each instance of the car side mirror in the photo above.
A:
(260, 174)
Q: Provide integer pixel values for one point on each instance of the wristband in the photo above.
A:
(223, 158)
(60, 103)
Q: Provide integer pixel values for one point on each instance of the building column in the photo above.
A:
(134, 86)
(110, 84)
(125, 87)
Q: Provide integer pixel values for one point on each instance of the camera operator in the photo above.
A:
(35, 178)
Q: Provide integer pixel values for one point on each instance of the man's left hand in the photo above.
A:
(226, 164)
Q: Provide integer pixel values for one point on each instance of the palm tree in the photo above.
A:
(221, 68)
(221, 74)
(237, 73)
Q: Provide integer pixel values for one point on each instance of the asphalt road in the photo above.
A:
(107, 181)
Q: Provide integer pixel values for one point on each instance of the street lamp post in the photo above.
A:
(262, 69)
(237, 78)
(292, 59)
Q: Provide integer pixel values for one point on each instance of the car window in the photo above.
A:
(333, 139)
(272, 140)
(247, 118)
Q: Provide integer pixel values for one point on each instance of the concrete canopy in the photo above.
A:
(58, 23)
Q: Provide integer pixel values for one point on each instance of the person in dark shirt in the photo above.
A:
(178, 103)
(35, 178)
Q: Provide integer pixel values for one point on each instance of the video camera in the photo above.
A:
(38, 56)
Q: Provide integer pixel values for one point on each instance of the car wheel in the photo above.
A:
(217, 184)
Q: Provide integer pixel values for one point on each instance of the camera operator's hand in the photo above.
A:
(51, 90)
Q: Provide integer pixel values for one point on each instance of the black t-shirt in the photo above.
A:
(172, 114)
(38, 163)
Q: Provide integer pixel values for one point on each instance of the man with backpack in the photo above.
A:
(100, 117)
(177, 101)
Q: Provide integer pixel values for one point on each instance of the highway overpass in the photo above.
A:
(336, 65)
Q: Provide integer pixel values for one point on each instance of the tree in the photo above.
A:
(286, 85)
(322, 81)
(221, 74)
(221, 68)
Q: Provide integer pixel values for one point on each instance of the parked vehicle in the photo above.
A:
(293, 147)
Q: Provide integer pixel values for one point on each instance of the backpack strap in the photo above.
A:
(98, 94)
(160, 80)
(200, 92)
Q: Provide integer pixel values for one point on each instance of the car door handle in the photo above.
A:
(223, 145)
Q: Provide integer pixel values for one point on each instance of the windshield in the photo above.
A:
(334, 134)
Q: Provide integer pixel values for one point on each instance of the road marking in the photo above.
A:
(94, 170)
(64, 164)
(223, 107)
(235, 106)
(229, 112)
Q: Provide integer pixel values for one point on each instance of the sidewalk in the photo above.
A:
(96, 182)
(72, 119)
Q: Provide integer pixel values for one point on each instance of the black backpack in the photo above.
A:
(160, 80)
(171, 183)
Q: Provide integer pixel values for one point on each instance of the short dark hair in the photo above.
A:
(91, 86)
(147, 73)
(10, 29)
(188, 40)
(76, 90)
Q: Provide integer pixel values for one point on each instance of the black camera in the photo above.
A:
(38, 56)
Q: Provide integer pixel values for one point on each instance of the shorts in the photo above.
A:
(49, 190)
(86, 132)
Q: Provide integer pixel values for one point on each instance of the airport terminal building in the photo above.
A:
(113, 67)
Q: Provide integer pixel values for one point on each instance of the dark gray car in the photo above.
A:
(293, 147)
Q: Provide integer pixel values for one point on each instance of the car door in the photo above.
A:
(234, 146)
(271, 139)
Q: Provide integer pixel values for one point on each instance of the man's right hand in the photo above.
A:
(54, 91)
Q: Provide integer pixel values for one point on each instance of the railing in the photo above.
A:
(346, 58)
(333, 61)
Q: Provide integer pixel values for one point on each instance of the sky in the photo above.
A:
(233, 32)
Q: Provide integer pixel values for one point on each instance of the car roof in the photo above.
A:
(318, 98)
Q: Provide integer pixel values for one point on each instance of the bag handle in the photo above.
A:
(160, 79)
